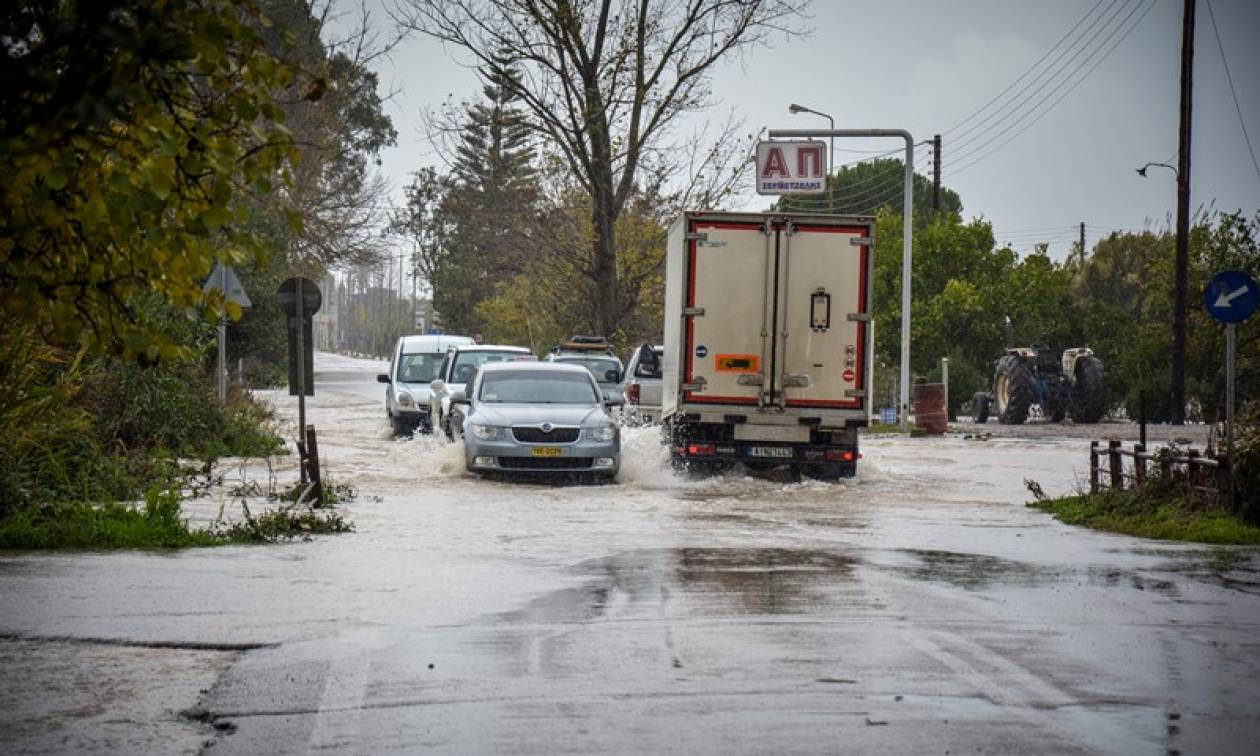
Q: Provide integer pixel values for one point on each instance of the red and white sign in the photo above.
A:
(849, 376)
(791, 167)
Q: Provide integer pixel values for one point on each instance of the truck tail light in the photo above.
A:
(839, 455)
(701, 450)
(632, 393)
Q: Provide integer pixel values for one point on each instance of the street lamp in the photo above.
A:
(831, 147)
(1142, 171)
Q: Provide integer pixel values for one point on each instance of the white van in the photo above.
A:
(413, 367)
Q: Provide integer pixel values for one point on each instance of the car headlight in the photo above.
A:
(602, 433)
(485, 432)
(404, 399)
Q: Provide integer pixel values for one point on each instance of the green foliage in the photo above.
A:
(130, 130)
(1150, 515)
(157, 524)
(78, 525)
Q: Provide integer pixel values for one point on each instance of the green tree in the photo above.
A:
(131, 133)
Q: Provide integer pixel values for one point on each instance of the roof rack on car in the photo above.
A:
(584, 344)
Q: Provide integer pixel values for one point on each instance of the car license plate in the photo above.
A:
(546, 451)
(778, 452)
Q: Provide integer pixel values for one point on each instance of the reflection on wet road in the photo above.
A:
(920, 608)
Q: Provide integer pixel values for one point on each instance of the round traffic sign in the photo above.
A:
(1231, 296)
(311, 298)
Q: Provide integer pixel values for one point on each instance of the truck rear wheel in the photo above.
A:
(1014, 390)
(1089, 396)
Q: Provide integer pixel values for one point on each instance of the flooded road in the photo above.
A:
(921, 608)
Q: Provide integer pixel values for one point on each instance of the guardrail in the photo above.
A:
(1208, 478)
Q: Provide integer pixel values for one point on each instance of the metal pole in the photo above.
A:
(223, 335)
(945, 382)
(907, 238)
(1229, 395)
(301, 371)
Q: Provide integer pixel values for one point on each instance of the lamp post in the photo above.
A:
(1142, 171)
(831, 146)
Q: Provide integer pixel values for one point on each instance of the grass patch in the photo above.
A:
(1151, 513)
(158, 523)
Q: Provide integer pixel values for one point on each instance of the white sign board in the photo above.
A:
(791, 167)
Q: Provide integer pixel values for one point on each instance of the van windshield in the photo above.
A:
(467, 363)
(420, 367)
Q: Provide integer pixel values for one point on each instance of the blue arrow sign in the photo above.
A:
(1231, 296)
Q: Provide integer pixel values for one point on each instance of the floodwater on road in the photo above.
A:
(920, 607)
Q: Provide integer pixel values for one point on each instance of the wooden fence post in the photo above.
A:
(1193, 475)
(1093, 467)
(1139, 464)
(1166, 466)
(1225, 491)
(312, 466)
(1117, 466)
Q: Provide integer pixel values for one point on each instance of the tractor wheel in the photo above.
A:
(1089, 397)
(980, 407)
(1014, 390)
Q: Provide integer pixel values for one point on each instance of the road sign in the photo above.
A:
(224, 279)
(791, 167)
(1231, 296)
(311, 298)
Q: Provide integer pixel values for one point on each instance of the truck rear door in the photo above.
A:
(776, 314)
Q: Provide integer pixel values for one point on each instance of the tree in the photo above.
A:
(604, 85)
(339, 128)
(130, 137)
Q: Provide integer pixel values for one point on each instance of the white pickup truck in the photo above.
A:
(768, 348)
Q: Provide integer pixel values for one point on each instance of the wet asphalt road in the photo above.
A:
(919, 609)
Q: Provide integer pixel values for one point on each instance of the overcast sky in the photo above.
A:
(927, 66)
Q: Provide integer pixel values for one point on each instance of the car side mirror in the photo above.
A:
(437, 384)
(382, 378)
(615, 401)
(612, 376)
(459, 396)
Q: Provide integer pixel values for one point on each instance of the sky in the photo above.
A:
(1039, 161)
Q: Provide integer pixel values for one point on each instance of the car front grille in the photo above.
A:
(545, 463)
(535, 435)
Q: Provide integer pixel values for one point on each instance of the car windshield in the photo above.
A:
(537, 387)
(420, 367)
(598, 366)
(466, 363)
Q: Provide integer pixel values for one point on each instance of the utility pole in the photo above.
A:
(1178, 415)
(1082, 252)
(936, 174)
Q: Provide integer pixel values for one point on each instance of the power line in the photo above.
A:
(1070, 89)
(1037, 105)
(1030, 69)
(1230, 79)
(1044, 78)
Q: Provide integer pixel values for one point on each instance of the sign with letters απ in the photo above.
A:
(791, 167)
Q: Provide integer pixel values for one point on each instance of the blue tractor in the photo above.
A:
(1068, 385)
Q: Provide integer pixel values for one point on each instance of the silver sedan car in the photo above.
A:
(539, 417)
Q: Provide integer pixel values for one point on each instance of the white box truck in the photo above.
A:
(767, 341)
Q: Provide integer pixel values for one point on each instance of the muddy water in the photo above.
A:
(919, 607)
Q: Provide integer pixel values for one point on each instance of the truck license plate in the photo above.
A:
(546, 451)
(778, 452)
